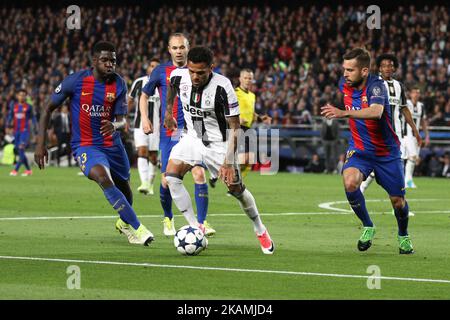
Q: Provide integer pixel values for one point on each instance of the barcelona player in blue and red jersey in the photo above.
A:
(97, 107)
(178, 47)
(20, 118)
(374, 145)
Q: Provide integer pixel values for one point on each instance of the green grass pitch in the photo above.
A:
(315, 258)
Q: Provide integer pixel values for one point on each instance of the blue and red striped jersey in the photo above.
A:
(373, 137)
(19, 116)
(91, 102)
(160, 79)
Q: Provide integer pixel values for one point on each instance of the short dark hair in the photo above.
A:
(387, 56)
(22, 90)
(361, 55)
(103, 46)
(201, 54)
(155, 59)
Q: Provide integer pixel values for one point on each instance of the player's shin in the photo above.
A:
(151, 173)
(409, 170)
(201, 200)
(248, 205)
(401, 214)
(358, 204)
(181, 198)
(143, 169)
(121, 205)
(166, 201)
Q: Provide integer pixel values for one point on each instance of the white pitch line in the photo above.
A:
(212, 214)
(295, 273)
(330, 205)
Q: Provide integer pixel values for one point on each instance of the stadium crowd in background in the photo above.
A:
(295, 52)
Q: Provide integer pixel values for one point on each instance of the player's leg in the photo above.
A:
(248, 205)
(165, 197)
(153, 147)
(354, 171)
(186, 154)
(152, 165)
(25, 141)
(175, 171)
(366, 183)
(141, 142)
(143, 169)
(201, 198)
(390, 177)
(412, 153)
(20, 150)
(96, 164)
(214, 159)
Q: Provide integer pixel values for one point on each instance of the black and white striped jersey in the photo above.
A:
(417, 113)
(397, 101)
(206, 108)
(154, 104)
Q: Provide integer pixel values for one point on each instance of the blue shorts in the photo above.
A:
(388, 171)
(21, 138)
(115, 158)
(166, 145)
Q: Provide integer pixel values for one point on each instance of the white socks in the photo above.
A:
(142, 164)
(247, 203)
(365, 184)
(409, 169)
(151, 172)
(182, 199)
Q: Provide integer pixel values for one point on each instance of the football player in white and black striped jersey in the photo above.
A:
(410, 145)
(147, 145)
(387, 64)
(210, 107)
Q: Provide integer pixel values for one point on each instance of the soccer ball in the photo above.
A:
(190, 240)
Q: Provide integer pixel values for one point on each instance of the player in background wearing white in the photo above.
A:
(210, 107)
(410, 145)
(387, 64)
(147, 145)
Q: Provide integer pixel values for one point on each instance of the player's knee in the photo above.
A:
(236, 189)
(398, 202)
(104, 181)
(142, 152)
(198, 173)
(173, 180)
(351, 184)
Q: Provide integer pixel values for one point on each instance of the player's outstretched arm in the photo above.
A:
(374, 112)
(41, 154)
(409, 120)
(226, 171)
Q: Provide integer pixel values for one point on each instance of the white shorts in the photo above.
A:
(409, 147)
(143, 140)
(192, 151)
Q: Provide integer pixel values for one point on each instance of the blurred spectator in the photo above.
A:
(314, 165)
(340, 163)
(330, 134)
(446, 165)
(435, 167)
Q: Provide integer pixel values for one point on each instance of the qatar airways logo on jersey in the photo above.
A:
(96, 110)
